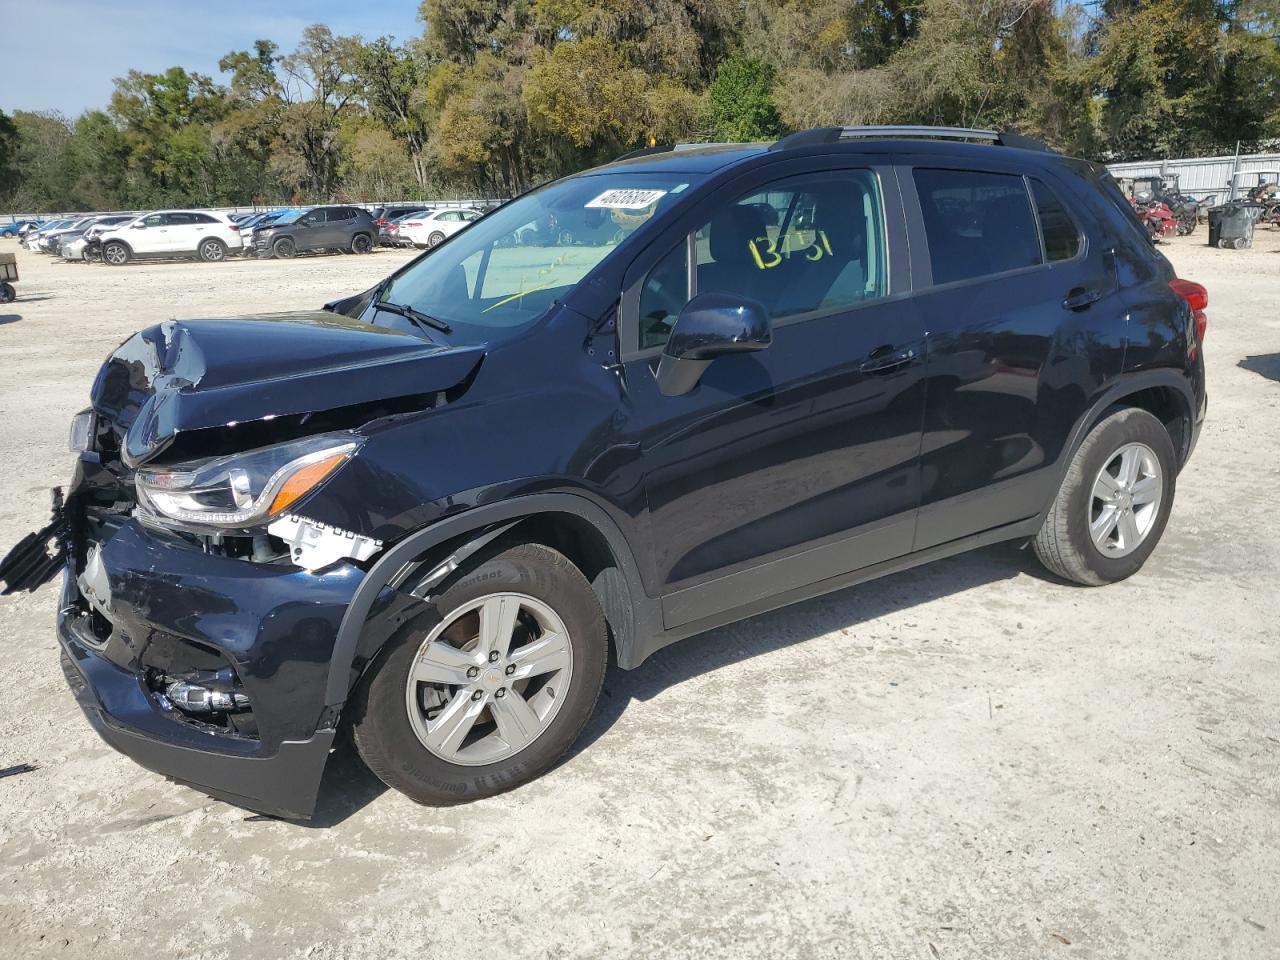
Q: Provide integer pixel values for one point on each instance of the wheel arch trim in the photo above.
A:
(480, 522)
(1127, 385)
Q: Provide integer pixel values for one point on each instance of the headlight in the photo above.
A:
(246, 489)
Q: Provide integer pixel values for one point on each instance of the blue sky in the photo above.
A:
(63, 54)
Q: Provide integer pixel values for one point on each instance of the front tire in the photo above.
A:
(489, 686)
(115, 253)
(1114, 502)
(284, 248)
(7, 293)
(212, 251)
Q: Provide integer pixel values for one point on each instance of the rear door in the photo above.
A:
(1011, 291)
(799, 462)
(185, 230)
(339, 224)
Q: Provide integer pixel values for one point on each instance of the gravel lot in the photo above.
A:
(968, 760)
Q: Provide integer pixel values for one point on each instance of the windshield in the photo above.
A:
(504, 271)
(288, 216)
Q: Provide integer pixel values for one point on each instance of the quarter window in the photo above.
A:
(1061, 236)
(976, 224)
(811, 244)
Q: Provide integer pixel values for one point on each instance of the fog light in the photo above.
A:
(194, 698)
(203, 692)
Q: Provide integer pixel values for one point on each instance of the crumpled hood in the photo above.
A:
(185, 375)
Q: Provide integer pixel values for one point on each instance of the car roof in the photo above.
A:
(710, 158)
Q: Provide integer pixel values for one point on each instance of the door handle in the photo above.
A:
(1081, 297)
(887, 358)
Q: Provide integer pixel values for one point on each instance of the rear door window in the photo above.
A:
(977, 224)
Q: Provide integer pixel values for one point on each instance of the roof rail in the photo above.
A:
(821, 135)
(670, 148)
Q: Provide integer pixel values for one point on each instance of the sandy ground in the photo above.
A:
(968, 760)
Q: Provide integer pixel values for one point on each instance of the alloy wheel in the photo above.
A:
(1125, 501)
(114, 254)
(489, 679)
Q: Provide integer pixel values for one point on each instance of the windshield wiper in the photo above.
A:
(417, 316)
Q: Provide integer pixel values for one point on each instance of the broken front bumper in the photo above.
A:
(151, 603)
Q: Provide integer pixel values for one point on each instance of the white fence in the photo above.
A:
(1201, 176)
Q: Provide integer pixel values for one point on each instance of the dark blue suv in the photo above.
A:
(629, 406)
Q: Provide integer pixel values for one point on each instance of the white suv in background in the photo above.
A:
(172, 233)
(431, 227)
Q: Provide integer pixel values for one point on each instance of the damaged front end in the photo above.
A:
(200, 605)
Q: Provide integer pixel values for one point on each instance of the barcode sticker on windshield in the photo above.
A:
(627, 199)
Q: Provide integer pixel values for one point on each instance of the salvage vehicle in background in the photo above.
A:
(389, 230)
(49, 240)
(75, 244)
(424, 514)
(201, 234)
(433, 227)
(342, 229)
(14, 228)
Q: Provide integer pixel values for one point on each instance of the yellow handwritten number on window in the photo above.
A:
(769, 257)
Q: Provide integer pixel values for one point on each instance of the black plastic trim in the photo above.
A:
(643, 610)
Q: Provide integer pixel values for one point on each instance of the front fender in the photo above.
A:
(632, 622)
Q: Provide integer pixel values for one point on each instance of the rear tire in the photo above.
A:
(435, 239)
(508, 739)
(1101, 529)
(7, 293)
(115, 253)
(212, 251)
(361, 243)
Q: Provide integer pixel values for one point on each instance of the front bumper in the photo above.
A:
(274, 624)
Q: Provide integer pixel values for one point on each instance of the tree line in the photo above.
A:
(497, 95)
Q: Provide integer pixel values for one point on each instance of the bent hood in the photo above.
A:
(185, 375)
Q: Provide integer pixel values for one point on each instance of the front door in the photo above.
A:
(309, 232)
(800, 462)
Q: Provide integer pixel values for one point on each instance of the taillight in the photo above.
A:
(413, 223)
(1197, 298)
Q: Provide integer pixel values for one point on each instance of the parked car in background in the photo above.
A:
(252, 222)
(339, 228)
(34, 240)
(15, 227)
(50, 239)
(74, 244)
(386, 215)
(435, 226)
(389, 232)
(171, 233)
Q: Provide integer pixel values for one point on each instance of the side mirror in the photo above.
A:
(710, 325)
(139, 226)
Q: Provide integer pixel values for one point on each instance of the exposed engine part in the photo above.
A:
(313, 545)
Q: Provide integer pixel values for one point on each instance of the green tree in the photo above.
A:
(9, 174)
(391, 78)
(741, 105)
